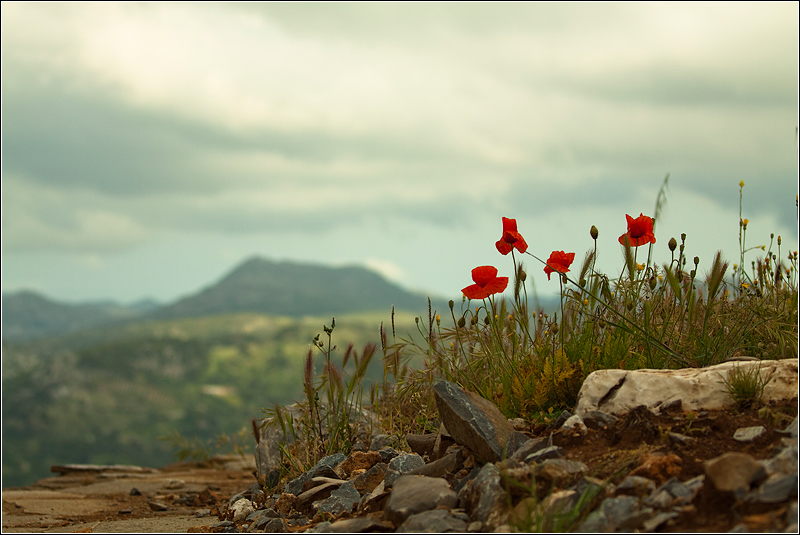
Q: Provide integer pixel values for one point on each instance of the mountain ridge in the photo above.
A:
(257, 284)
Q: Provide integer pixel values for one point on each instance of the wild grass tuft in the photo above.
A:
(745, 384)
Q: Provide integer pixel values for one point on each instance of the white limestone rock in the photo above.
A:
(616, 392)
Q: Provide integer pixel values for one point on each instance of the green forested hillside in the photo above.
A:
(107, 395)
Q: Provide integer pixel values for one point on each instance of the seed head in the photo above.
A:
(673, 244)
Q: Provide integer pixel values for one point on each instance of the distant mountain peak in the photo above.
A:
(290, 288)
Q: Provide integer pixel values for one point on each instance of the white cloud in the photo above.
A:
(388, 269)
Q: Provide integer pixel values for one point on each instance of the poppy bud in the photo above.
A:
(564, 278)
(582, 283)
(554, 328)
(594, 233)
(696, 260)
(461, 322)
(452, 304)
(653, 283)
(779, 240)
(629, 305)
(474, 320)
(416, 320)
(486, 320)
(683, 236)
(673, 243)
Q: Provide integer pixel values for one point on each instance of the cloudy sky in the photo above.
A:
(147, 149)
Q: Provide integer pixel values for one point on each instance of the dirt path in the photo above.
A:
(103, 499)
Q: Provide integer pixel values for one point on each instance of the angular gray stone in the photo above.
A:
(261, 518)
(785, 462)
(421, 444)
(778, 488)
(274, 525)
(682, 440)
(551, 452)
(323, 468)
(388, 453)
(562, 418)
(434, 521)
(341, 500)
(529, 447)
(792, 428)
(450, 464)
(415, 494)
(322, 527)
(364, 524)
(748, 434)
(381, 441)
(678, 490)
(405, 462)
(560, 473)
(695, 484)
(636, 486)
(620, 513)
(484, 498)
(598, 419)
(315, 494)
(657, 521)
(473, 421)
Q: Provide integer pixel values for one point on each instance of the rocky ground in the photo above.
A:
(646, 470)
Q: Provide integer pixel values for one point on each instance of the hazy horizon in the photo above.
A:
(148, 149)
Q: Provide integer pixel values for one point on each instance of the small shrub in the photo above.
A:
(746, 385)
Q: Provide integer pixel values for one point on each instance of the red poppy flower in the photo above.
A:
(486, 283)
(511, 238)
(640, 231)
(558, 261)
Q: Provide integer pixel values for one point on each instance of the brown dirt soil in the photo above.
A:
(612, 453)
